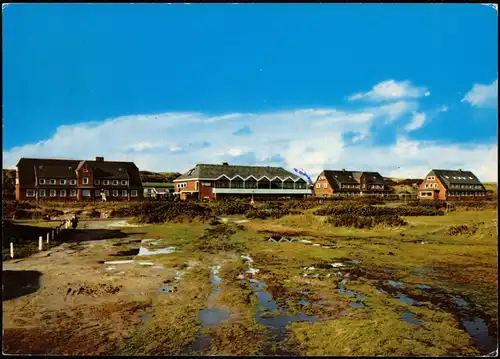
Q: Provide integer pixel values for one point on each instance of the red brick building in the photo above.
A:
(350, 183)
(451, 185)
(207, 181)
(76, 180)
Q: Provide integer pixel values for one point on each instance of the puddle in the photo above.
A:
(478, 330)
(150, 252)
(396, 284)
(144, 317)
(166, 289)
(210, 317)
(277, 321)
(484, 338)
(423, 286)
(408, 317)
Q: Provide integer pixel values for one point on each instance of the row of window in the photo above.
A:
(85, 181)
(431, 185)
(469, 186)
(72, 193)
(467, 194)
(459, 178)
(426, 194)
(252, 185)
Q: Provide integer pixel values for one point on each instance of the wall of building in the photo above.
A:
(432, 181)
(321, 191)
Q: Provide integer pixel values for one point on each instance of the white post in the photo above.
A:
(40, 243)
(48, 237)
(11, 250)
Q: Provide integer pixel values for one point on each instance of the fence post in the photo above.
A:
(11, 249)
(40, 243)
(48, 237)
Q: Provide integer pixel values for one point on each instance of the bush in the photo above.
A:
(94, 214)
(229, 208)
(160, 212)
(356, 221)
(368, 210)
(463, 229)
(427, 204)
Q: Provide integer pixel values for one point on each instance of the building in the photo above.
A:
(208, 181)
(451, 185)
(350, 183)
(77, 180)
(157, 190)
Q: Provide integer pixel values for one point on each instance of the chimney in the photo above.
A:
(99, 159)
(225, 164)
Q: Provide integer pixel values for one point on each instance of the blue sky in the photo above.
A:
(391, 88)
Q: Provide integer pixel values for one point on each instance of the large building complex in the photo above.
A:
(209, 181)
(72, 180)
(349, 183)
(451, 185)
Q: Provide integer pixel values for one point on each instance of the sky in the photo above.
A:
(395, 88)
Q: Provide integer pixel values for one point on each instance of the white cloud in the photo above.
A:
(311, 139)
(483, 95)
(417, 122)
(391, 90)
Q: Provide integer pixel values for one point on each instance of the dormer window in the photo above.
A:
(97, 182)
(85, 170)
(105, 182)
(115, 182)
(63, 181)
(471, 178)
(52, 181)
(42, 181)
(124, 182)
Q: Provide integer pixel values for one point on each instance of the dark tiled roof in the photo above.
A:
(208, 171)
(61, 169)
(457, 177)
(337, 178)
(374, 178)
(27, 167)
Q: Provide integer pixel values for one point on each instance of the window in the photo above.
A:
(42, 181)
(124, 183)
(181, 185)
(97, 193)
(72, 193)
(318, 185)
(62, 193)
(85, 170)
(124, 193)
(97, 182)
(73, 181)
(436, 185)
(30, 193)
(53, 193)
(237, 183)
(85, 180)
(325, 185)
(115, 193)
(470, 177)
(133, 193)
(63, 181)
(115, 182)
(52, 181)
(446, 177)
(105, 182)
(106, 192)
(86, 193)
(42, 193)
(426, 185)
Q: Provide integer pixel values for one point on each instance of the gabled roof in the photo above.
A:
(61, 168)
(374, 178)
(456, 177)
(209, 171)
(337, 178)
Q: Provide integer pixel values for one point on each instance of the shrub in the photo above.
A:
(427, 204)
(270, 213)
(367, 210)
(94, 214)
(232, 207)
(463, 229)
(158, 212)
(352, 220)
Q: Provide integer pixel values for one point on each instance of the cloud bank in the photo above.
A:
(312, 139)
(391, 90)
(483, 95)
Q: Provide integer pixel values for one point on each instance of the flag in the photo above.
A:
(303, 173)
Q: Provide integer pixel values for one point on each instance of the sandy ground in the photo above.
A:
(66, 301)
